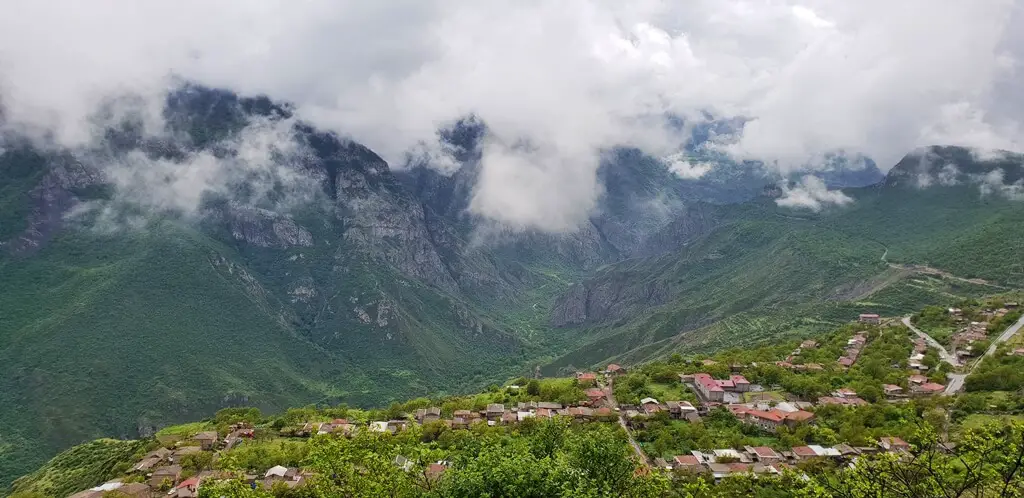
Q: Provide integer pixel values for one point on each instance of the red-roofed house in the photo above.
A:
(803, 452)
(737, 410)
(740, 383)
(688, 463)
(870, 318)
(893, 444)
(595, 395)
(917, 379)
(769, 421)
(844, 392)
(614, 369)
(586, 378)
(798, 417)
(928, 388)
(187, 489)
(845, 362)
(708, 387)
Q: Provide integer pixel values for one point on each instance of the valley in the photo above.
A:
(381, 286)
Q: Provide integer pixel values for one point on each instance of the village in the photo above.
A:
(707, 388)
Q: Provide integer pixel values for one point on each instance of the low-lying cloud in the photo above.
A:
(556, 82)
(811, 193)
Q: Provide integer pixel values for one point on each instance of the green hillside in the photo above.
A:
(767, 271)
(116, 333)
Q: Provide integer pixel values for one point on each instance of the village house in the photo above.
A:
(595, 395)
(427, 415)
(769, 421)
(614, 369)
(207, 440)
(801, 453)
(495, 411)
(892, 390)
(893, 444)
(763, 454)
(809, 344)
(679, 409)
(688, 463)
(792, 419)
(714, 390)
(170, 473)
(650, 406)
(189, 488)
(870, 318)
(586, 378)
(917, 379)
(927, 388)
(844, 392)
(509, 418)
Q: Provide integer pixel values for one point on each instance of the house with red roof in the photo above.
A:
(803, 452)
(927, 388)
(871, 318)
(769, 421)
(792, 419)
(187, 489)
(688, 463)
(893, 444)
(586, 378)
(595, 395)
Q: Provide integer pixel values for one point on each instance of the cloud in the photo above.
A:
(993, 183)
(556, 82)
(263, 165)
(686, 169)
(811, 193)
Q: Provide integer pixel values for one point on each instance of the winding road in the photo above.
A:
(946, 357)
(956, 381)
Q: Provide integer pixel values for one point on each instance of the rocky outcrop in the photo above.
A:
(265, 228)
(51, 200)
(386, 225)
(606, 299)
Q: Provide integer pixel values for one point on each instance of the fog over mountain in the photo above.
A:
(556, 83)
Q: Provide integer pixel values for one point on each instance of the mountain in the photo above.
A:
(314, 273)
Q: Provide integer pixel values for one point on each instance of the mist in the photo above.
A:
(556, 83)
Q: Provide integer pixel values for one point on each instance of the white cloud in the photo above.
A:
(993, 183)
(811, 193)
(566, 78)
(686, 169)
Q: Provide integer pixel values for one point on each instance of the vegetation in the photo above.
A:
(100, 320)
(81, 467)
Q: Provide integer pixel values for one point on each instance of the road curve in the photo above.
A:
(946, 357)
(1005, 336)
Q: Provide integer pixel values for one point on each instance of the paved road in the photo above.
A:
(946, 357)
(956, 381)
(622, 422)
(1005, 336)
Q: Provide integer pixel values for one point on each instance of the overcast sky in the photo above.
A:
(566, 77)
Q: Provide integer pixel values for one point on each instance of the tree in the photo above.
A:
(987, 462)
(533, 387)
